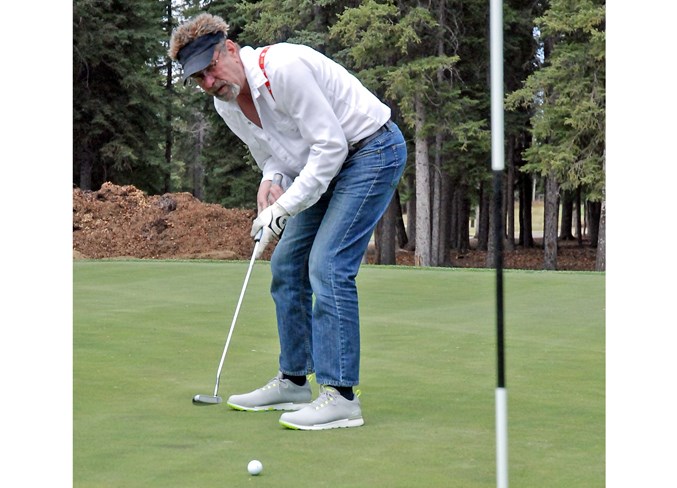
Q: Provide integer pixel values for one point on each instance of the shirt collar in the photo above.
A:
(255, 77)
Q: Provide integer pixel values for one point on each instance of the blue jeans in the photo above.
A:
(319, 255)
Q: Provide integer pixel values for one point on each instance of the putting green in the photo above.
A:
(148, 336)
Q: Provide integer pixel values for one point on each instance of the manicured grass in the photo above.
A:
(148, 335)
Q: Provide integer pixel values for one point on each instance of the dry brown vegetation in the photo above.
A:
(122, 221)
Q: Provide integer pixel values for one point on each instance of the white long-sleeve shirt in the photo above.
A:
(317, 109)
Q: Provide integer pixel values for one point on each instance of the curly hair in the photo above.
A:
(193, 28)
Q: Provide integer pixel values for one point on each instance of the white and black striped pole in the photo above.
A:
(497, 166)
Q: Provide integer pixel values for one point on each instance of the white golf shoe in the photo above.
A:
(277, 394)
(329, 411)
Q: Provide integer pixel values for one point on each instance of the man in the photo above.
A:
(304, 116)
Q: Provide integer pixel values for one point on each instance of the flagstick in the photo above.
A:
(498, 165)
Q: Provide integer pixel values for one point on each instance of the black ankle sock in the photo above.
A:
(297, 380)
(345, 391)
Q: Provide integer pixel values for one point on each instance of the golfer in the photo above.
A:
(306, 117)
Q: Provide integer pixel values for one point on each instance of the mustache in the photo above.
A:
(233, 90)
(216, 87)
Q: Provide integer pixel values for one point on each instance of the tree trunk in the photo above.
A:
(550, 226)
(445, 222)
(585, 219)
(197, 169)
(169, 91)
(594, 212)
(422, 253)
(462, 219)
(441, 195)
(400, 229)
(436, 198)
(577, 217)
(385, 235)
(600, 261)
(476, 221)
(86, 165)
(510, 196)
(526, 197)
(567, 216)
(411, 213)
(169, 139)
(485, 209)
(453, 217)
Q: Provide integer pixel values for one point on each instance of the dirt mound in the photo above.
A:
(122, 221)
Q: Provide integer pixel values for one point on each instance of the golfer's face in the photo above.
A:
(224, 77)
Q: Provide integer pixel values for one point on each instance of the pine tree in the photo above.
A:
(567, 102)
(117, 87)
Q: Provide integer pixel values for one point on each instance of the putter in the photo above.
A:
(215, 398)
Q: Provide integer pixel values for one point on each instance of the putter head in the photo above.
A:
(206, 400)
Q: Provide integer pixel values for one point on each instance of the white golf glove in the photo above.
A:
(271, 220)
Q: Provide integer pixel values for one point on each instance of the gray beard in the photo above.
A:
(231, 94)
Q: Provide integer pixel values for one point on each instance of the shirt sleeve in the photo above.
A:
(298, 92)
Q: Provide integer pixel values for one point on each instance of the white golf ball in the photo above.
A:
(255, 467)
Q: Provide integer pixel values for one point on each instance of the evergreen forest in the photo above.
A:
(135, 123)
